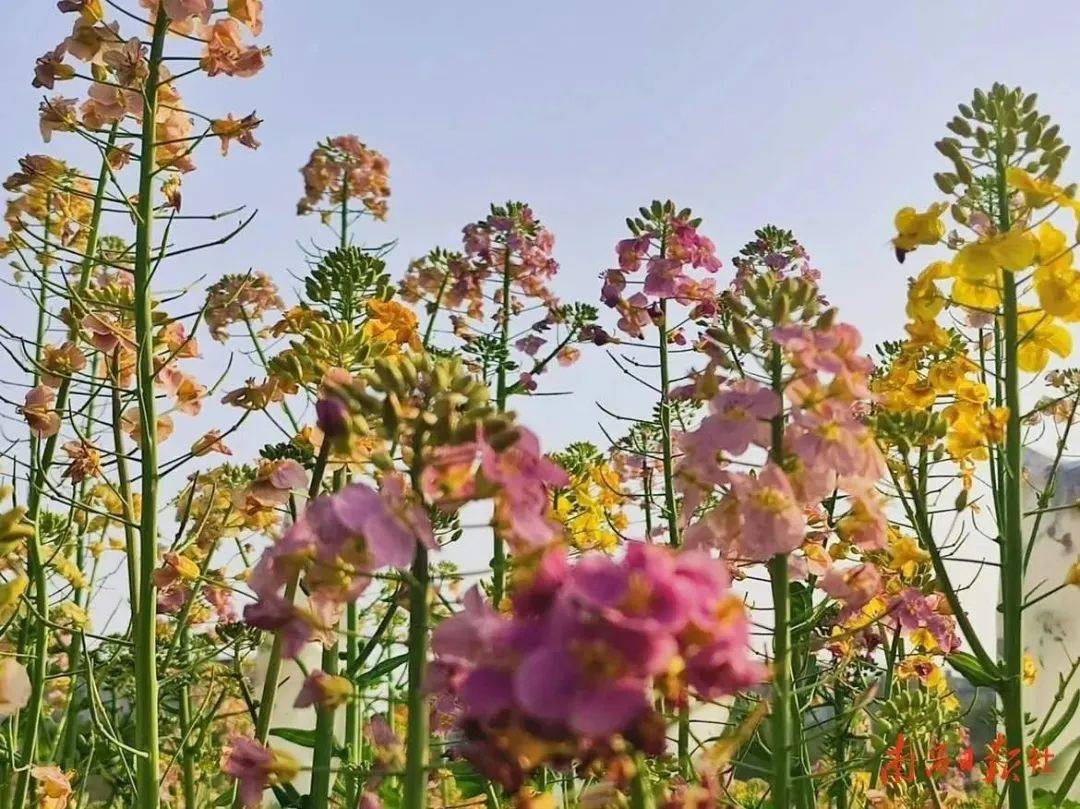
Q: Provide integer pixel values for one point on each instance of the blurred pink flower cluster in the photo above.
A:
(584, 655)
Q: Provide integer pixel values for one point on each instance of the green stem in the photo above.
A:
(416, 738)
(498, 562)
(354, 707)
(671, 512)
(782, 736)
(641, 793)
(1066, 783)
(36, 559)
(1012, 543)
(187, 758)
(322, 758)
(273, 664)
(145, 623)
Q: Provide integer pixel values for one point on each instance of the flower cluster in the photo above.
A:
(670, 248)
(592, 506)
(343, 169)
(584, 654)
(121, 69)
(335, 545)
(823, 447)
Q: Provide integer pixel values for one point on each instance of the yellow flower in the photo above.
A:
(978, 294)
(1039, 335)
(946, 376)
(923, 638)
(1073, 576)
(981, 260)
(1038, 192)
(924, 301)
(1029, 669)
(914, 228)
(905, 555)
(927, 334)
(10, 593)
(1058, 289)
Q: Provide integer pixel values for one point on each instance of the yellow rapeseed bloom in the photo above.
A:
(1029, 670)
(981, 260)
(905, 555)
(914, 228)
(1040, 335)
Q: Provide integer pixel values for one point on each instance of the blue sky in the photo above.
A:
(819, 118)
(816, 117)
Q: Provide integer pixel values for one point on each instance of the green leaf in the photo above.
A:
(380, 669)
(1048, 736)
(971, 669)
(301, 738)
(1044, 799)
(469, 782)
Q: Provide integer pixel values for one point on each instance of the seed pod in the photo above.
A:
(945, 182)
(781, 308)
(1049, 135)
(828, 317)
(740, 333)
(960, 127)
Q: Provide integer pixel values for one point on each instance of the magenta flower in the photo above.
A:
(586, 651)
(336, 543)
(256, 768)
(524, 477)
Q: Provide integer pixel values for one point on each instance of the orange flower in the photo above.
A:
(38, 411)
(54, 787)
(210, 442)
(229, 129)
(85, 461)
(249, 12)
(227, 54)
(60, 362)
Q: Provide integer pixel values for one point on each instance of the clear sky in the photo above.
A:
(819, 117)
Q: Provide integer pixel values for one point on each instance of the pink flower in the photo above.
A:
(586, 652)
(38, 411)
(530, 344)
(227, 54)
(524, 478)
(854, 585)
(336, 542)
(14, 686)
(772, 520)
(181, 10)
(256, 768)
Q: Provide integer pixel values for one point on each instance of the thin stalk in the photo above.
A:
(146, 684)
(416, 737)
(354, 707)
(273, 664)
(782, 736)
(498, 561)
(187, 760)
(36, 564)
(1066, 783)
(322, 757)
(1012, 543)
